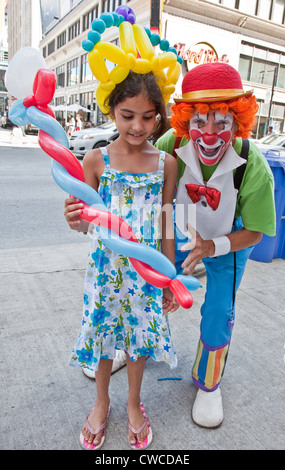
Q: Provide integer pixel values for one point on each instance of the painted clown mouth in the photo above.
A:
(210, 151)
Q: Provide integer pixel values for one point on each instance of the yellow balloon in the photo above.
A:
(119, 73)
(98, 66)
(127, 39)
(143, 42)
(131, 61)
(161, 78)
(167, 59)
(168, 90)
(111, 52)
(142, 66)
(173, 74)
(109, 86)
(101, 97)
(155, 64)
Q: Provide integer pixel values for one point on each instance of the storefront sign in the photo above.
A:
(200, 53)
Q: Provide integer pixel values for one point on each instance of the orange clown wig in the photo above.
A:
(214, 86)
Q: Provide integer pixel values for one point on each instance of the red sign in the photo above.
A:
(200, 53)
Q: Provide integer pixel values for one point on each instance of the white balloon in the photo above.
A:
(21, 72)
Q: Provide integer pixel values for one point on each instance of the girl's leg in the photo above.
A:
(99, 413)
(136, 419)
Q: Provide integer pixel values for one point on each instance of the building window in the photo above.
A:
(281, 77)
(51, 47)
(86, 99)
(255, 59)
(229, 3)
(278, 11)
(89, 17)
(247, 6)
(60, 76)
(74, 30)
(61, 39)
(264, 8)
(111, 5)
(72, 72)
(244, 67)
(86, 74)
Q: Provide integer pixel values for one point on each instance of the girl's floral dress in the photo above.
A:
(121, 311)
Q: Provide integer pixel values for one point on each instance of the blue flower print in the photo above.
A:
(106, 196)
(146, 351)
(102, 279)
(150, 290)
(100, 259)
(85, 299)
(103, 329)
(131, 291)
(132, 274)
(133, 320)
(85, 356)
(147, 196)
(155, 307)
(155, 188)
(99, 315)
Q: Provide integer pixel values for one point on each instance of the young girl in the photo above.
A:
(121, 311)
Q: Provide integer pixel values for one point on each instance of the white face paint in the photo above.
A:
(211, 135)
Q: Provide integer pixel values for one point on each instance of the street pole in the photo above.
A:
(271, 98)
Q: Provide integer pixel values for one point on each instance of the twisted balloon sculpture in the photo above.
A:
(115, 233)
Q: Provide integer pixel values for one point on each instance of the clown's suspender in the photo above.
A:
(241, 169)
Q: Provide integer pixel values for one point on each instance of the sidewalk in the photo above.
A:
(29, 140)
(45, 401)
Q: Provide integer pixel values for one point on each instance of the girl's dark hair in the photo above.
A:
(134, 84)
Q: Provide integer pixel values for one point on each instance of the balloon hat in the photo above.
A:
(154, 267)
(136, 53)
(211, 82)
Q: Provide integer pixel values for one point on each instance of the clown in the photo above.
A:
(217, 220)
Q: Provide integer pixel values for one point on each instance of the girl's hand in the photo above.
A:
(169, 302)
(72, 210)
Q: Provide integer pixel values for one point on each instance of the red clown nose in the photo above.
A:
(210, 139)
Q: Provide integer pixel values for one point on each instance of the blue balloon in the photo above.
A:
(113, 241)
(189, 281)
(154, 258)
(18, 114)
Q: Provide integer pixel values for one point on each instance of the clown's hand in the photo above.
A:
(199, 249)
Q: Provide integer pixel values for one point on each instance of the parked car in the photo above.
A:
(31, 129)
(94, 137)
(273, 144)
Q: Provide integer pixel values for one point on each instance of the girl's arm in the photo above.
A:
(93, 167)
(167, 228)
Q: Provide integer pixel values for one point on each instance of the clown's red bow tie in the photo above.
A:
(212, 195)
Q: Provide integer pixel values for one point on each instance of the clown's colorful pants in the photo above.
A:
(224, 274)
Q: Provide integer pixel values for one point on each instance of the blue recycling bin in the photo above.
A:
(274, 247)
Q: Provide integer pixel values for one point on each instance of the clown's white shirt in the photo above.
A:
(209, 223)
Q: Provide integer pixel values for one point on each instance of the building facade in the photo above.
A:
(247, 34)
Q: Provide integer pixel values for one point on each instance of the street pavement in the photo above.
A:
(44, 401)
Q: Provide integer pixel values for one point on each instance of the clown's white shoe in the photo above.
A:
(119, 362)
(207, 410)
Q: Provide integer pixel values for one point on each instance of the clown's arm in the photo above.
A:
(200, 248)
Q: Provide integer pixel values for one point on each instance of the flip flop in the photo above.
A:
(148, 439)
(90, 445)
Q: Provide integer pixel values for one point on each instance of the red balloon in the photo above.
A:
(64, 156)
(44, 86)
(112, 221)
